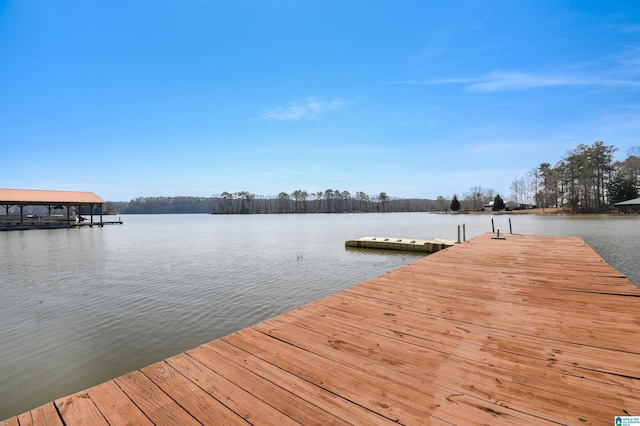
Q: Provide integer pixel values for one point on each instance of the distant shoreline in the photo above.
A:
(549, 211)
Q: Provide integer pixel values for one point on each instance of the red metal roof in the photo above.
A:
(39, 196)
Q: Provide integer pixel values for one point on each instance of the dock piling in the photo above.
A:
(498, 237)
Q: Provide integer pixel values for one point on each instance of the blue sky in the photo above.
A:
(414, 98)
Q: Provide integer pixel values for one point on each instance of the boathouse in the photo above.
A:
(629, 205)
(62, 209)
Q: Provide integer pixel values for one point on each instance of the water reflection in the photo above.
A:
(81, 306)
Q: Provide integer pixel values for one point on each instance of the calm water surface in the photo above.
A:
(82, 306)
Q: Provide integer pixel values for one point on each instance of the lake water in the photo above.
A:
(82, 306)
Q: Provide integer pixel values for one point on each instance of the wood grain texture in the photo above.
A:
(526, 330)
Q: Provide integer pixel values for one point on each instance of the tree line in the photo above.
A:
(298, 201)
(329, 201)
(164, 205)
(477, 199)
(585, 180)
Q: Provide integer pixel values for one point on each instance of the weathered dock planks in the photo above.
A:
(526, 330)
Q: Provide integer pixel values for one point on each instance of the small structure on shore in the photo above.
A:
(51, 201)
(402, 244)
(629, 205)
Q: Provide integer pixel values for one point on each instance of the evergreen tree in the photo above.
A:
(498, 203)
(455, 204)
(622, 188)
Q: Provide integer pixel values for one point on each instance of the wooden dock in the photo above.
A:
(522, 331)
(47, 222)
(99, 224)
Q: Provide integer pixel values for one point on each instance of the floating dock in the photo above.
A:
(8, 223)
(402, 244)
(526, 330)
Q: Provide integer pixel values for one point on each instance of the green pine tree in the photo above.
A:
(455, 204)
(498, 203)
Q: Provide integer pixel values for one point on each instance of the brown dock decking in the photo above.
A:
(521, 331)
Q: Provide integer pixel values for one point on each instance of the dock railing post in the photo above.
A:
(493, 228)
(458, 234)
(464, 232)
(510, 230)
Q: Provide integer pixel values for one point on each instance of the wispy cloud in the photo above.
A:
(480, 24)
(628, 28)
(501, 81)
(496, 147)
(16, 116)
(311, 107)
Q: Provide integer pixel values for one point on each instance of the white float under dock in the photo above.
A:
(402, 244)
